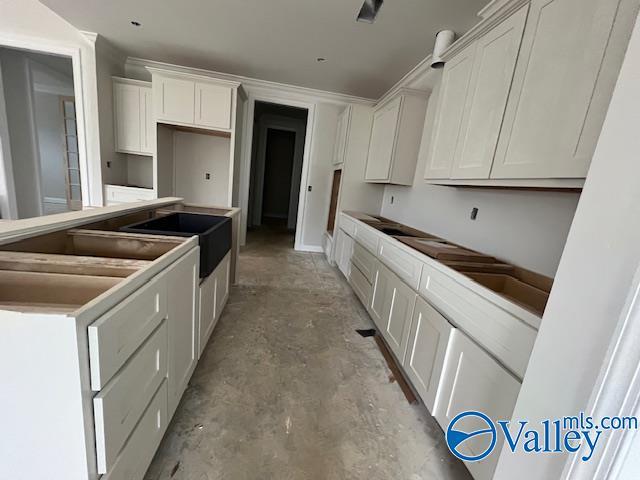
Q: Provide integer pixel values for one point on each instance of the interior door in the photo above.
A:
(71, 155)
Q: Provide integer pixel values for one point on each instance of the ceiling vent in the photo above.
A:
(369, 11)
(444, 39)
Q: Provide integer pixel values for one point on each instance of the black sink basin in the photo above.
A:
(214, 234)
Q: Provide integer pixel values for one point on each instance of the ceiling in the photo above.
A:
(278, 40)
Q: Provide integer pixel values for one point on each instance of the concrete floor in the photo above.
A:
(286, 389)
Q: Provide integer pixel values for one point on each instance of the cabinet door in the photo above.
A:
(495, 61)
(346, 252)
(174, 99)
(207, 311)
(213, 106)
(147, 126)
(379, 297)
(341, 137)
(383, 137)
(426, 349)
(222, 287)
(127, 117)
(446, 128)
(474, 381)
(183, 279)
(399, 303)
(549, 121)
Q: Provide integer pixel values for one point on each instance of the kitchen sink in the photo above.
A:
(213, 231)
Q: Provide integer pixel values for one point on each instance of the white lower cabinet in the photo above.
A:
(182, 279)
(360, 285)
(118, 194)
(473, 381)
(392, 306)
(143, 442)
(343, 251)
(427, 346)
(214, 292)
(118, 407)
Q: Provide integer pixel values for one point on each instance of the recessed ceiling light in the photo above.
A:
(321, 59)
(369, 11)
(135, 23)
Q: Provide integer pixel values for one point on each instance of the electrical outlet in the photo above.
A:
(391, 200)
(108, 164)
(474, 213)
(207, 176)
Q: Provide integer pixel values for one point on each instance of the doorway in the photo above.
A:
(39, 119)
(276, 170)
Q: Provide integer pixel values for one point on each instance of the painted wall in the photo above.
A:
(18, 97)
(109, 62)
(526, 228)
(31, 21)
(195, 155)
(592, 285)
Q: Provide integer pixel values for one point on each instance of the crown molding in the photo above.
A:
(494, 13)
(251, 84)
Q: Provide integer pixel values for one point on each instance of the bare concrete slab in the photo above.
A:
(286, 388)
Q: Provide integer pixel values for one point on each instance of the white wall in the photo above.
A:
(18, 96)
(109, 62)
(526, 228)
(31, 22)
(194, 155)
(593, 281)
(314, 220)
(165, 161)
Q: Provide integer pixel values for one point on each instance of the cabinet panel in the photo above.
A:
(119, 406)
(494, 64)
(174, 99)
(341, 137)
(426, 349)
(360, 285)
(343, 252)
(472, 380)
(207, 310)
(379, 309)
(383, 136)
(364, 261)
(454, 87)
(183, 278)
(213, 105)
(128, 117)
(120, 331)
(548, 121)
(401, 300)
(148, 126)
(135, 458)
(222, 287)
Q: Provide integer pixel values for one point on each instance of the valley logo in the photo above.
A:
(472, 436)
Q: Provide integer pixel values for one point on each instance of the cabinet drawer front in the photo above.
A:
(118, 407)
(123, 195)
(364, 260)
(473, 381)
(426, 350)
(403, 264)
(504, 335)
(139, 450)
(119, 332)
(360, 285)
(348, 225)
(367, 237)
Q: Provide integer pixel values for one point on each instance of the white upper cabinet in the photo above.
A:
(495, 61)
(395, 139)
(193, 101)
(453, 93)
(555, 110)
(174, 99)
(133, 116)
(341, 137)
(213, 105)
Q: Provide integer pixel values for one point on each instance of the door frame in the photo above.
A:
(245, 172)
(8, 204)
(277, 122)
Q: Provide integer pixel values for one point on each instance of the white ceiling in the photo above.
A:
(278, 40)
